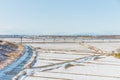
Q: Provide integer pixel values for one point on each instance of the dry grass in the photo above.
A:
(92, 48)
(12, 56)
(17, 53)
(117, 55)
(68, 66)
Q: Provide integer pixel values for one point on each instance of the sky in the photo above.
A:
(38, 17)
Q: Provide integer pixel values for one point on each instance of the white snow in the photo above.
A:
(81, 63)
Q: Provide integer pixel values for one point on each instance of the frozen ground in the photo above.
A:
(58, 62)
(10, 71)
(72, 61)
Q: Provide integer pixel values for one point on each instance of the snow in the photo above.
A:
(14, 68)
(108, 47)
(71, 61)
(86, 67)
(86, 72)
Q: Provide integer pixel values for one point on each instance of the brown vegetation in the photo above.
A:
(12, 56)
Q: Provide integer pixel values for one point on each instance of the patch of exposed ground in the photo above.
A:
(9, 52)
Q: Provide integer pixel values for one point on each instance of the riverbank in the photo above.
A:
(9, 52)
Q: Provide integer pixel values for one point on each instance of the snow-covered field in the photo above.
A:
(72, 61)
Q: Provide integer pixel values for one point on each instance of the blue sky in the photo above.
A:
(59, 16)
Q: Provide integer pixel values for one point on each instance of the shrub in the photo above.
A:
(117, 55)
